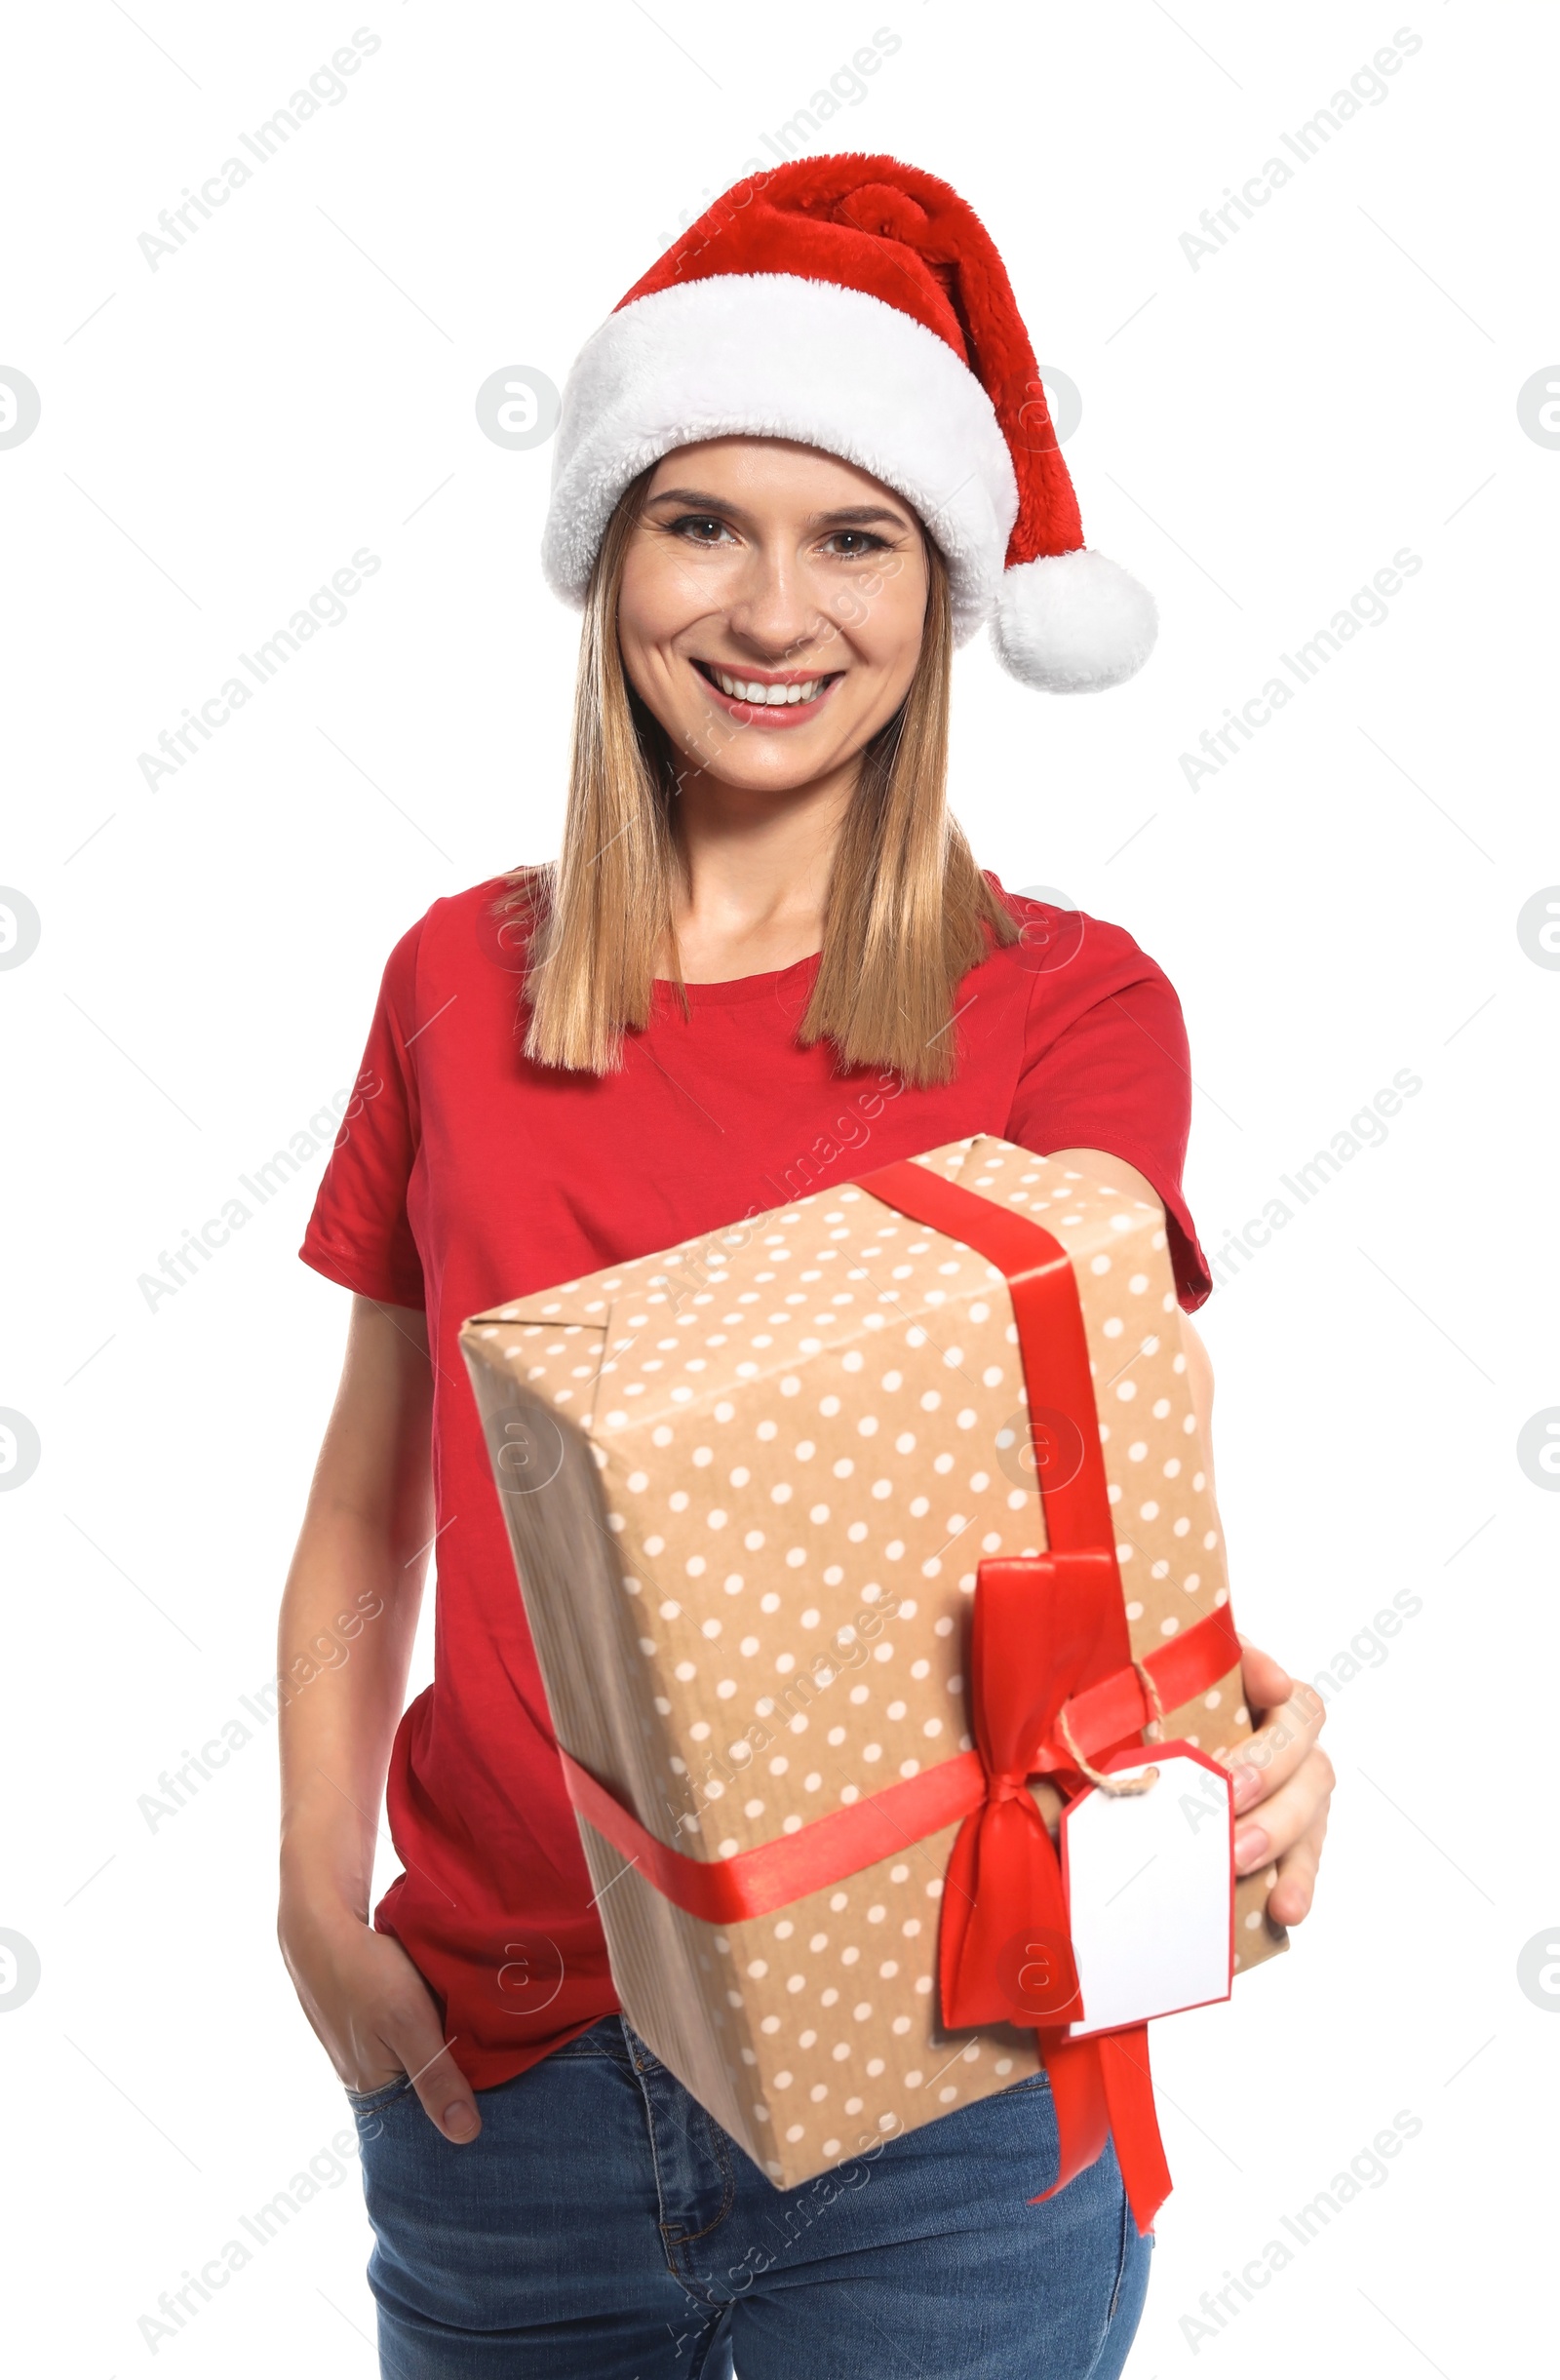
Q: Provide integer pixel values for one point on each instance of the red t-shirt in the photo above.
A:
(465, 1175)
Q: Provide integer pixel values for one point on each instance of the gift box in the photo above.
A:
(752, 1484)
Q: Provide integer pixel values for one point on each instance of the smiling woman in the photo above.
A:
(766, 566)
(776, 574)
(806, 455)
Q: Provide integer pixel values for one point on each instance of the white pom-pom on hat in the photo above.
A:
(1072, 623)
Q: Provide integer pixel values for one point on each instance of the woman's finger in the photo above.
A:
(1291, 1897)
(1268, 1758)
(1279, 1822)
(1265, 1684)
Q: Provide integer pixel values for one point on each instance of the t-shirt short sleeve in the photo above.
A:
(1106, 1066)
(359, 1233)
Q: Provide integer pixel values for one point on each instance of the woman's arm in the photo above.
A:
(1283, 1781)
(349, 1614)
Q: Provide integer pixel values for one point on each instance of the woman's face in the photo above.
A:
(770, 608)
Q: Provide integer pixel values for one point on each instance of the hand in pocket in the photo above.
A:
(375, 2015)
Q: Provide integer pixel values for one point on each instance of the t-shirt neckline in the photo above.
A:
(741, 987)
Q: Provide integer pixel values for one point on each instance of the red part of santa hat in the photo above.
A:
(857, 305)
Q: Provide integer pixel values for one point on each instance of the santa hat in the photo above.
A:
(857, 305)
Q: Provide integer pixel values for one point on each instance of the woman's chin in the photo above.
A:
(781, 764)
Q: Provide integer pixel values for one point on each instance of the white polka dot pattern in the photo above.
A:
(749, 1481)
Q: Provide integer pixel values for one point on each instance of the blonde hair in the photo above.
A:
(907, 911)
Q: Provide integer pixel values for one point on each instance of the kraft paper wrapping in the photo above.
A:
(748, 1481)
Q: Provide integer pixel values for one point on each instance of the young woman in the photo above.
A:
(790, 470)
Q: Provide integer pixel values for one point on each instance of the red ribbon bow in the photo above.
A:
(1003, 1947)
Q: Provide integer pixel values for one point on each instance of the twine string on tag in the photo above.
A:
(1119, 1787)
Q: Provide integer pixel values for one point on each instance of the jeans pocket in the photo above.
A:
(1039, 2080)
(1129, 2244)
(367, 2102)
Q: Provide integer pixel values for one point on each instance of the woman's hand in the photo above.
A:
(1283, 1784)
(1283, 1779)
(348, 1619)
(374, 2014)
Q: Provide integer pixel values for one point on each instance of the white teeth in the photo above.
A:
(769, 697)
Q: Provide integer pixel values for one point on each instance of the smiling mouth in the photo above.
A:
(779, 701)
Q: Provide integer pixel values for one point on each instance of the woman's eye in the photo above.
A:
(853, 542)
(700, 529)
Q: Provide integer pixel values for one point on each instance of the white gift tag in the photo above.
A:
(1149, 1883)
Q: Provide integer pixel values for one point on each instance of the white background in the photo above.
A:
(1259, 436)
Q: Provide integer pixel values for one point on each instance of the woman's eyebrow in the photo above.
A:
(856, 516)
(696, 500)
(845, 516)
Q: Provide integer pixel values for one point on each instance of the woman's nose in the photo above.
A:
(776, 611)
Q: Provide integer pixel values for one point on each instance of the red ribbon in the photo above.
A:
(1046, 1629)
(825, 1851)
(1049, 1631)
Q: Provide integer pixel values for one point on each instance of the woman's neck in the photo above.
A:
(758, 867)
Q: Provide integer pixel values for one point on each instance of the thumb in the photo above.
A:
(447, 2098)
(1267, 1684)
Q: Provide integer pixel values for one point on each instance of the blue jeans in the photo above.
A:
(603, 2227)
